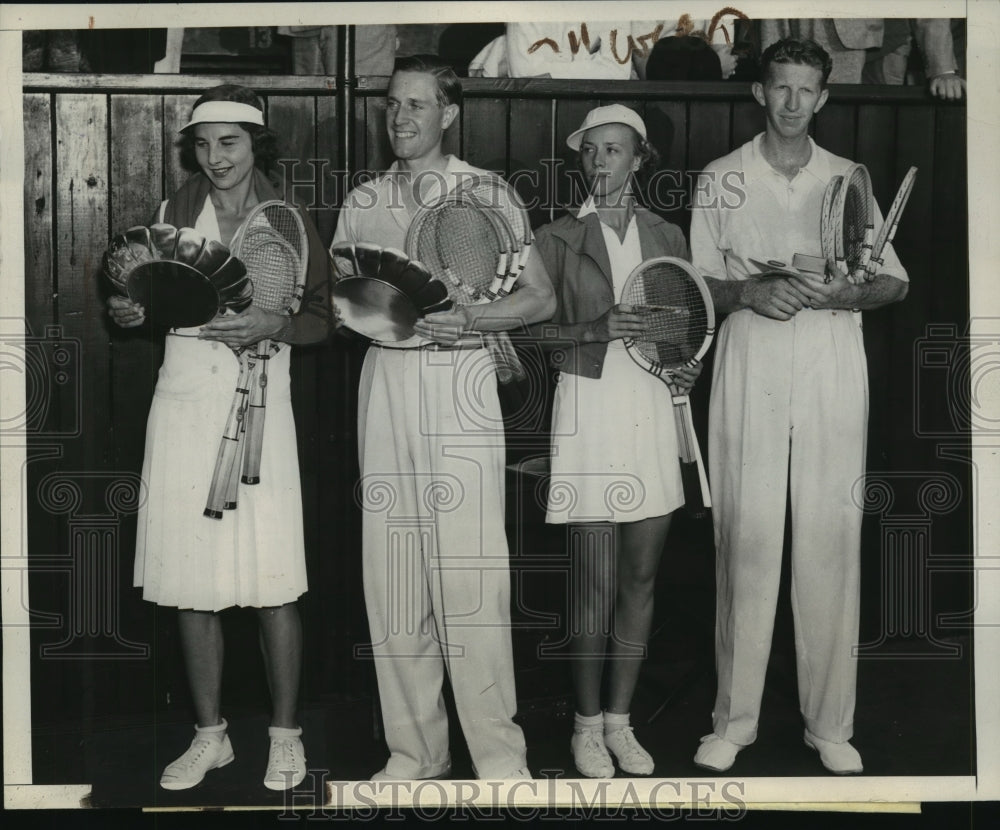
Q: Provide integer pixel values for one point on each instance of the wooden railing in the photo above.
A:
(100, 155)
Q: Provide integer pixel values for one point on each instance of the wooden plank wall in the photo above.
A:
(100, 156)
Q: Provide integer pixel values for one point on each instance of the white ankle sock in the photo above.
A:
(614, 721)
(587, 721)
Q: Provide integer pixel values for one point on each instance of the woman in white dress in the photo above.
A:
(254, 556)
(615, 477)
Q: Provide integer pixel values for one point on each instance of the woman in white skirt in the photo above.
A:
(254, 556)
(615, 477)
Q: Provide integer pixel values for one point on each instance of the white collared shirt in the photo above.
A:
(745, 209)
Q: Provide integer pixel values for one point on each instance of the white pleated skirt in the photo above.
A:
(252, 556)
(614, 446)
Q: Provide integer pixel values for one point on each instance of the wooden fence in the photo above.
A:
(99, 157)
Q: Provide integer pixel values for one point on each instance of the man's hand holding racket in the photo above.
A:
(779, 298)
(445, 327)
(834, 290)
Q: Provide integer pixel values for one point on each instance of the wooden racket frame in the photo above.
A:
(690, 451)
(246, 413)
(888, 230)
(507, 271)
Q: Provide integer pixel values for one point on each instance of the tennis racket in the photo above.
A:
(469, 248)
(493, 193)
(850, 217)
(273, 246)
(680, 325)
(888, 230)
(826, 225)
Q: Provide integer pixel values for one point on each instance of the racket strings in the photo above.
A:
(674, 314)
(459, 243)
(274, 267)
(496, 195)
(857, 220)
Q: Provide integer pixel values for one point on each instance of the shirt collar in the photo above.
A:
(453, 173)
(587, 208)
(755, 166)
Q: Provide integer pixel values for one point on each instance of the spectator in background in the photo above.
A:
(846, 40)
(605, 49)
(314, 49)
(936, 46)
(459, 43)
(877, 50)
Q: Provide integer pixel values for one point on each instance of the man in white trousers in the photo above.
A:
(431, 437)
(788, 414)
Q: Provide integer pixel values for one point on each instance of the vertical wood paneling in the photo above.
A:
(748, 120)
(530, 126)
(38, 208)
(136, 179)
(81, 123)
(330, 168)
(176, 112)
(82, 235)
(374, 137)
(835, 127)
(666, 127)
(293, 119)
(451, 143)
(571, 187)
(876, 149)
(484, 133)
(708, 132)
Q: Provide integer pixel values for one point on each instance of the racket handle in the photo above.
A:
(508, 284)
(254, 436)
(228, 448)
(494, 290)
(214, 505)
(697, 498)
(233, 471)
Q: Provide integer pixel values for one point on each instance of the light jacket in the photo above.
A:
(578, 265)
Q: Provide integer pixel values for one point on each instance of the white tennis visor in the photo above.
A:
(225, 112)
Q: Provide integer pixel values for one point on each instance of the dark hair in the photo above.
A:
(449, 88)
(263, 139)
(683, 59)
(795, 50)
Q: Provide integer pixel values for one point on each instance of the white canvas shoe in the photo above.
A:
(286, 759)
(209, 750)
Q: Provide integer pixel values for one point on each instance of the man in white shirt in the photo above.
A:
(788, 415)
(434, 548)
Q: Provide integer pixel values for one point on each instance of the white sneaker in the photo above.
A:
(632, 758)
(840, 758)
(716, 754)
(286, 759)
(589, 754)
(209, 750)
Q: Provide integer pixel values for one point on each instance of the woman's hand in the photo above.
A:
(618, 322)
(682, 380)
(243, 329)
(125, 313)
(444, 327)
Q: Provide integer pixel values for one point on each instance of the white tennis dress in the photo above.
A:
(614, 442)
(253, 556)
